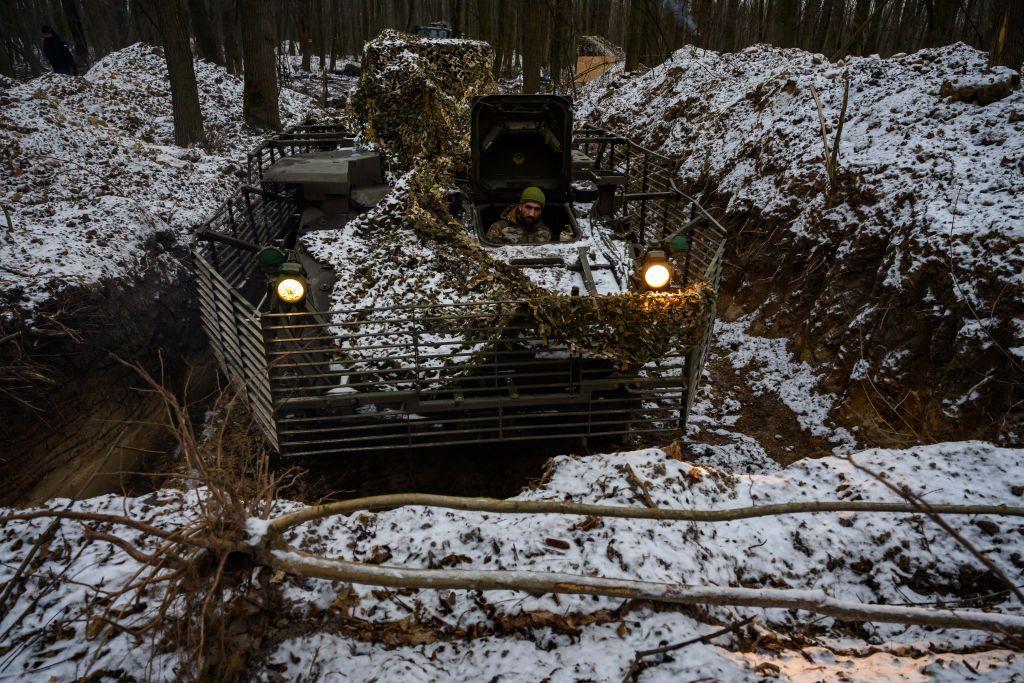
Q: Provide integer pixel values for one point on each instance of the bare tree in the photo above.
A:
(74, 20)
(229, 30)
(533, 45)
(188, 118)
(206, 37)
(636, 35)
(259, 99)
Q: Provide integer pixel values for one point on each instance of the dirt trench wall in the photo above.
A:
(900, 276)
(897, 356)
(81, 425)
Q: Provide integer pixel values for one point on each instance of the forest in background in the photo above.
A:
(529, 36)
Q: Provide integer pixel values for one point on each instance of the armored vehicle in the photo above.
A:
(325, 375)
(437, 29)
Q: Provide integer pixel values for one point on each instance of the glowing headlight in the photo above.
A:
(291, 290)
(656, 275)
(655, 271)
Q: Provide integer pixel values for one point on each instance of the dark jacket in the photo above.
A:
(507, 229)
(58, 54)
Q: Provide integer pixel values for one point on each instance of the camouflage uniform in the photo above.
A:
(507, 229)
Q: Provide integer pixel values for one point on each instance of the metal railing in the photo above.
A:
(432, 375)
(649, 206)
(295, 140)
(423, 375)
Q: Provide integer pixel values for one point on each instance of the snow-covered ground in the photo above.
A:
(460, 635)
(467, 635)
(90, 172)
(949, 170)
(913, 276)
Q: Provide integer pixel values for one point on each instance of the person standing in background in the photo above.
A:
(57, 52)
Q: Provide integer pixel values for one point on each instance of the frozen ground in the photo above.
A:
(90, 172)
(330, 631)
(945, 173)
(461, 635)
(912, 277)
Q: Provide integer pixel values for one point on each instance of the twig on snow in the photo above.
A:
(640, 484)
(634, 668)
(929, 510)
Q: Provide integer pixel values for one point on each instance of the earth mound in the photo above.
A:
(98, 203)
(903, 274)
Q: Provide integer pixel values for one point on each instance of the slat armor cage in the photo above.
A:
(431, 375)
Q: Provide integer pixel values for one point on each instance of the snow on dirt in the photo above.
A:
(760, 367)
(91, 172)
(770, 368)
(458, 634)
(920, 254)
(950, 170)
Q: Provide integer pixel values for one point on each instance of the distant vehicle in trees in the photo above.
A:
(437, 29)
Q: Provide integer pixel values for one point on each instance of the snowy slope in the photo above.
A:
(748, 122)
(89, 171)
(913, 277)
(460, 635)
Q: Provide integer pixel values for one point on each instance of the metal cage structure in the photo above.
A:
(347, 380)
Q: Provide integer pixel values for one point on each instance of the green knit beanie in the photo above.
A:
(532, 194)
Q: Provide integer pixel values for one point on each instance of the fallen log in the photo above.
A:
(299, 563)
(345, 507)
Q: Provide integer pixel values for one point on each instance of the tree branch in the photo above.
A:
(304, 564)
(370, 503)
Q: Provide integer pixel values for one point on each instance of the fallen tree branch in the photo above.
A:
(635, 667)
(304, 564)
(345, 507)
(930, 511)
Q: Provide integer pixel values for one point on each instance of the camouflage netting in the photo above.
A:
(598, 46)
(411, 246)
(414, 95)
(631, 328)
(413, 103)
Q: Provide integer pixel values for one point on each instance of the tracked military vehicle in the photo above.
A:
(327, 373)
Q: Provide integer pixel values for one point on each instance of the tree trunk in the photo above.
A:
(188, 118)
(784, 22)
(557, 35)
(259, 99)
(533, 47)
(5, 59)
(232, 47)
(305, 37)
(636, 34)
(334, 9)
(206, 37)
(74, 20)
(1007, 46)
(941, 20)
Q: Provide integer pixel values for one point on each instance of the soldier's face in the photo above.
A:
(530, 212)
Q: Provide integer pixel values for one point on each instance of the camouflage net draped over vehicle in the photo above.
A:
(631, 329)
(413, 103)
(414, 95)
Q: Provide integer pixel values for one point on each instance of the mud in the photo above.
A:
(84, 426)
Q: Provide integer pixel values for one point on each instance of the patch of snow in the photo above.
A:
(91, 173)
(850, 557)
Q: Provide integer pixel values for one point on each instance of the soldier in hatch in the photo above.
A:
(521, 223)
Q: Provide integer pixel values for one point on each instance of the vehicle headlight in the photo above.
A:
(655, 272)
(291, 290)
(656, 275)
